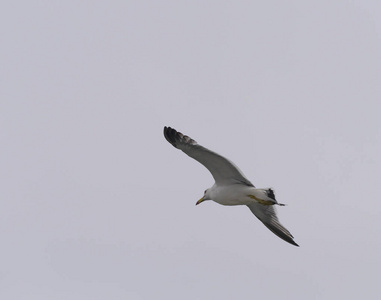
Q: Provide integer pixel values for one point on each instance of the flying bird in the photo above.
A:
(231, 187)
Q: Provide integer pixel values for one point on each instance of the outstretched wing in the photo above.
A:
(267, 215)
(223, 170)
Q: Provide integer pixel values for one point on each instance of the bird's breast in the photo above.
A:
(236, 194)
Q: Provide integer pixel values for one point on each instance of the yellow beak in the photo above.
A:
(199, 201)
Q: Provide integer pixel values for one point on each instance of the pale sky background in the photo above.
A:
(95, 204)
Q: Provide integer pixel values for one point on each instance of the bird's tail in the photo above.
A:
(270, 193)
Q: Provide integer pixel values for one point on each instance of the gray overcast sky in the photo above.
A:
(97, 205)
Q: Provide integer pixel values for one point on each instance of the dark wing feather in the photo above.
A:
(267, 215)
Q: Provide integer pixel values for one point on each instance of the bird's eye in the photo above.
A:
(205, 192)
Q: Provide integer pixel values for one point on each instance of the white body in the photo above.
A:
(237, 194)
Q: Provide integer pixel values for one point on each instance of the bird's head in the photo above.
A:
(205, 197)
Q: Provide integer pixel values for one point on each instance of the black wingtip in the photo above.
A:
(290, 241)
(176, 138)
(165, 131)
(170, 135)
(281, 232)
(270, 193)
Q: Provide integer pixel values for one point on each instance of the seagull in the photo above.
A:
(231, 187)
